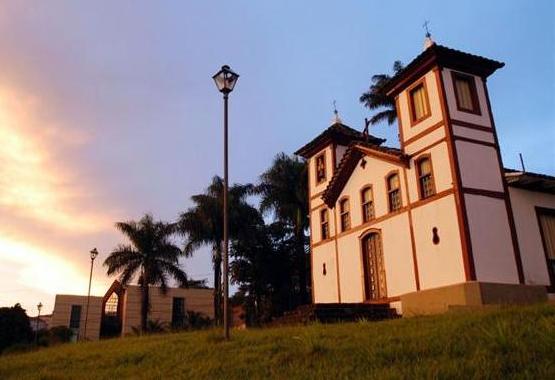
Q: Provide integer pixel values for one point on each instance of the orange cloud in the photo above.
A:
(31, 185)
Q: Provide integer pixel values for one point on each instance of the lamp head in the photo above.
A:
(94, 253)
(225, 79)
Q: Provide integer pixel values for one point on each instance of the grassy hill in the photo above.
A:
(512, 342)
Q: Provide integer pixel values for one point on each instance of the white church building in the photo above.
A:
(438, 223)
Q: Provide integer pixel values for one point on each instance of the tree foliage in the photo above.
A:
(14, 326)
(283, 190)
(374, 99)
(150, 254)
(202, 225)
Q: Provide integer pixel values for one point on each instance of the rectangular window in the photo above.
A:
(320, 168)
(420, 109)
(75, 317)
(465, 93)
(344, 211)
(324, 224)
(367, 202)
(178, 312)
(425, 177)
(394, 192)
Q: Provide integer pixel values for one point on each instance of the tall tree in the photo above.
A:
(151, 254)
(283, 191)
(374, 99)
(202, 225)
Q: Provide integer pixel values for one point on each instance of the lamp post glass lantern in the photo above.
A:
(225, 80)
(94, 253)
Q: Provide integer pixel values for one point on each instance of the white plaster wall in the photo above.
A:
(395, 234)
(523, 203)
(314, 188)
(482, 119)
(397, 248)
(374, 174)
(440, 264)
(325, 286)
(490, 235)
(473, 134)
(441, 169)
(425, 140)
(435, 108)
(479, 166)
(397, 251)
(350, 268)
(316, 202)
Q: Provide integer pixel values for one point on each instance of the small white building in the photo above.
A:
(437, 223)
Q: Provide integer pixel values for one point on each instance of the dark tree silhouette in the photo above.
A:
(202, 225)
(14, 326)
(374, 99)
(151, 254)
(283, 191)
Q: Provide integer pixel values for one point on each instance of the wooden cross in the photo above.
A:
(366, 127)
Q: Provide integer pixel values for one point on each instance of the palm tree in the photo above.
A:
(374, 99)
(202, 225)
(283, 191)
(151, 254)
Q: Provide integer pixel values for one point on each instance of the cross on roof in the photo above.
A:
(425, 26)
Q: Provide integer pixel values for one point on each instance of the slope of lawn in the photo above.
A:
(504, 343)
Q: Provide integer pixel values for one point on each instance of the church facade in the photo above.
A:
(438, 223)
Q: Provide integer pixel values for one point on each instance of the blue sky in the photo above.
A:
(108, 110)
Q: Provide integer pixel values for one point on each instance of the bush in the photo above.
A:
(14, 327)
(59, 334)
(197, 321)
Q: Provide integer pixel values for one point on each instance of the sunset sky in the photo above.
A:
(108, 109)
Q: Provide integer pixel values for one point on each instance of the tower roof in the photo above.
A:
(338, 133)
(438, 55)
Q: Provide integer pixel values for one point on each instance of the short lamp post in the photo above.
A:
(39, 308)
(93, 253)
(225, 80)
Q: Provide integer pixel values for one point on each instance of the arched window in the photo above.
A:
(345, 215)
(394, 192)
(367, 204)
(111, 306)
(425, 177)
(324, 224)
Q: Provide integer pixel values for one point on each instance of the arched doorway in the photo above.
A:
(373, 266)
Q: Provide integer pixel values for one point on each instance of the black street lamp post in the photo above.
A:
(39, 308)
(93, 253)
(225, 80)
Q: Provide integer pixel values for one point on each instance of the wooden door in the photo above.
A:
(373, 265)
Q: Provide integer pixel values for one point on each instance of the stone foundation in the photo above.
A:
(470, 294)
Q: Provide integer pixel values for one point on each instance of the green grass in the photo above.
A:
(496, 344)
